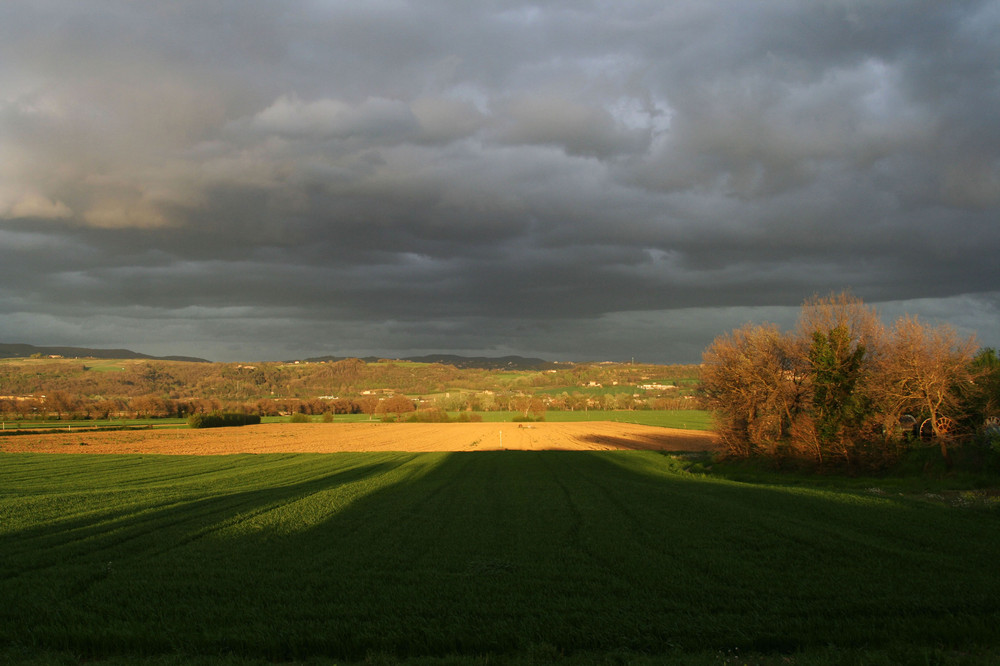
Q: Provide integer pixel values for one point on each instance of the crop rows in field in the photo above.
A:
(503, 554)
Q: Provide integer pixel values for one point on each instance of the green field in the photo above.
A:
(694, 419)
(505, 557)
(72, 424)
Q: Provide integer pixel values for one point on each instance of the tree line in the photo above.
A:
(843, 387)
(61, 405)
(236, 382)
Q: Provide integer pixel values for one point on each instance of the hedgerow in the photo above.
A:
(222, 420)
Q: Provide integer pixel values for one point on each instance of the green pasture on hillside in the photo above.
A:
(106, 365)
(491, 557)
(683, 385)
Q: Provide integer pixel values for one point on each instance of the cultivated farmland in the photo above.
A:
(528, 556)
(359, 437)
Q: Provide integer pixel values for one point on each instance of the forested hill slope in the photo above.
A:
(462, 362)
(8, 350)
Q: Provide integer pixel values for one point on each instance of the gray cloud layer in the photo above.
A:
(577, 180)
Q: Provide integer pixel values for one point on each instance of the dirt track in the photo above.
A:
(336, 437)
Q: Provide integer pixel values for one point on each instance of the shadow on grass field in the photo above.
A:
(492, 557)
(920, 470)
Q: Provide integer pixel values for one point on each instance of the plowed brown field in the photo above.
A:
(335, 437)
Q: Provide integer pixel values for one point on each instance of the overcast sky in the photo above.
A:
(254, 180)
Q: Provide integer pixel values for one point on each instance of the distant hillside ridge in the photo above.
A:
(8, 350)
(462, 362)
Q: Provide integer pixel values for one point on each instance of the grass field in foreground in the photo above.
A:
(504, 557)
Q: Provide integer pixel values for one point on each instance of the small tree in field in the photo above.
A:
(397, 404)
(368, 405)
(530, 406)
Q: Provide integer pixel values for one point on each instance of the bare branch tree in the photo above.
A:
(922, 370)
(750, 379)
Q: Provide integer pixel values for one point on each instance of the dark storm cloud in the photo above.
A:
(573, 180)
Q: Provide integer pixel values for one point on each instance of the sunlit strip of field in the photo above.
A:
(495, 556)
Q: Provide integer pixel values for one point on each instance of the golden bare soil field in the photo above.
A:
(338, 437)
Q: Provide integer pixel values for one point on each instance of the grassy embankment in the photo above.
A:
(505, 557)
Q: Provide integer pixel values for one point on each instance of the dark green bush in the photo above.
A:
(222, 420)
(441, 416)
(429, 416)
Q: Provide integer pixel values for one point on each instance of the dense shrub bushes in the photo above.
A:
(222, 420)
